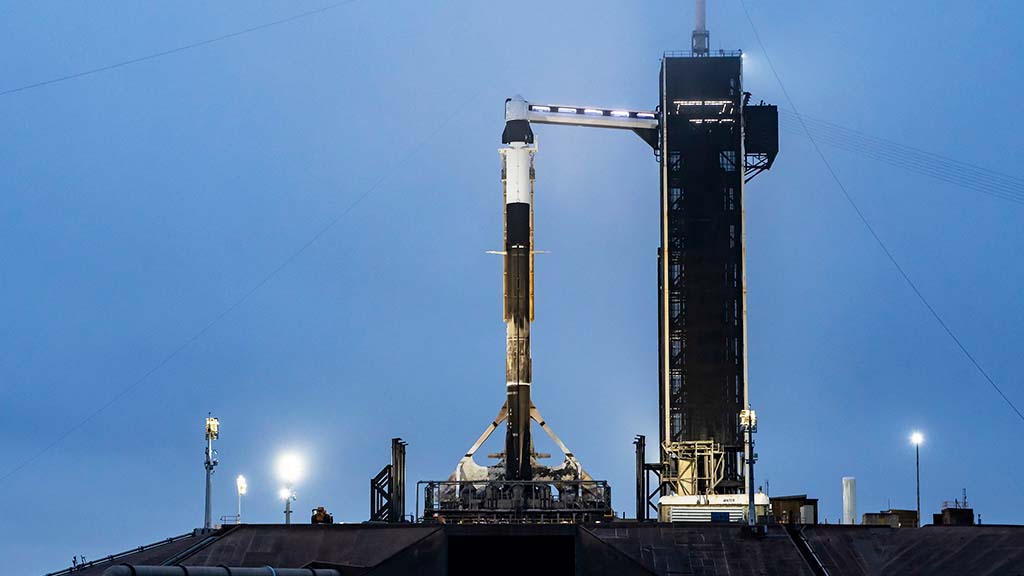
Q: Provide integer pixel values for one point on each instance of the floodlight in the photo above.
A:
(212, 429)
(917, 438)
(243, 487)
(289, 468)
(748, 419)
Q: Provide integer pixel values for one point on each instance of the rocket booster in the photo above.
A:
(517, 179)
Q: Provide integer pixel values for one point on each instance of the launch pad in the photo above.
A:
(511, 502)
(709, 141)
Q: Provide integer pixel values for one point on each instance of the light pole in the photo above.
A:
(917, 438)
(288, 495)
(289, 470)
(212, 433)
(243, 487)
(748, 424)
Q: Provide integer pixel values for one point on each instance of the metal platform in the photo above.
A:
(503, 501)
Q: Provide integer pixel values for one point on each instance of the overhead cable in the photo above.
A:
(860, 214)
(168, 52)
(915, 160)
(384, 176)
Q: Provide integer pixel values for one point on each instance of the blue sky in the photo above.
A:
(140, 203)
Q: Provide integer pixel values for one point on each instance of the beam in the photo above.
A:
(593, 117)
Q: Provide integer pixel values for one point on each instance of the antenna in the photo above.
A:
(701, 39)
(212, 433)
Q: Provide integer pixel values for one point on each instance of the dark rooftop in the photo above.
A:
(620, 548)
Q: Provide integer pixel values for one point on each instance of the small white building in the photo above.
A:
(710, 507)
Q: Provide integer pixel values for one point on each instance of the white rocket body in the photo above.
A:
(517, 177)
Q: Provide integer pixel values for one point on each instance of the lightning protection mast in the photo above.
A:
(701, 39)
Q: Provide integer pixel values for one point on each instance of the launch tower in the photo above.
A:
(712, 142)
(709, 141)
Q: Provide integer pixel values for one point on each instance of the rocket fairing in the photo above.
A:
(517, 179)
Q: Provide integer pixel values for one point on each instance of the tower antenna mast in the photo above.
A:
(701, 38)
(212, 433)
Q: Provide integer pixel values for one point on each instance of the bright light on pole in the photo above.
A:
(917, 439)
(290, 468)
(288, 495)
(243, 487)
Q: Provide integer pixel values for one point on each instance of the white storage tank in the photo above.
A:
(807, 514)
(849, 500)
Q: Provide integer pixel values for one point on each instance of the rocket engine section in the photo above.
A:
(517, 178)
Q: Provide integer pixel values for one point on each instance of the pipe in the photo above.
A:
(701, 16)
(132, 570)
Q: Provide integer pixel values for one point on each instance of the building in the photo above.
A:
(954, 513)
(892, 517)
(794, 509)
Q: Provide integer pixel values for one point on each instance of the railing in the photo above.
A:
(120, 555)
(711, 53)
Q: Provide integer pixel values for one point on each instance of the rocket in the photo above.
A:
(519, 462)
(517, 178)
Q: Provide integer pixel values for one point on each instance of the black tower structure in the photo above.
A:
(706, 156)
(709, 142)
